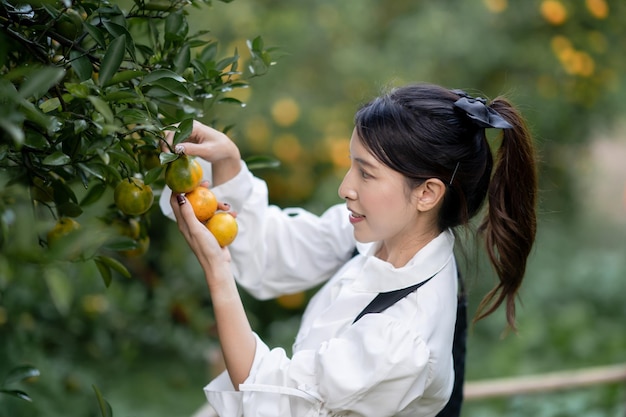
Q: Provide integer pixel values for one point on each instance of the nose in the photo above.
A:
(346, 190)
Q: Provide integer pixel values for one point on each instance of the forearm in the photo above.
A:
(234, 332)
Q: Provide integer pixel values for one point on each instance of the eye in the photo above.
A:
(364, 174)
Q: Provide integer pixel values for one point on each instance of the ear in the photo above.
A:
(429, 194)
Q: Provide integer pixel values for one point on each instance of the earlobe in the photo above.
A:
(429, 194)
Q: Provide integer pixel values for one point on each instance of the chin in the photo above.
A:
(363, 239)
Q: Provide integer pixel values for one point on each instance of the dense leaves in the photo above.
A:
(89, 89)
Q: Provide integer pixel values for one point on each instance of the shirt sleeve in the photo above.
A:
(280, 251)
(375, 368)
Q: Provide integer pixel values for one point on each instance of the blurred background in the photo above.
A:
(148, 342)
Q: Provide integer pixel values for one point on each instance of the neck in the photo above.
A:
(400, 253)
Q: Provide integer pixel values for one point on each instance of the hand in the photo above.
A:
(215, 261)
(214, 146)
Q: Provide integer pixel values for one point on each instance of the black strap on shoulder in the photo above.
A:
(384, 300)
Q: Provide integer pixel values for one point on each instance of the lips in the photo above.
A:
(356, 217)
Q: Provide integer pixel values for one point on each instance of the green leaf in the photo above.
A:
(77, 90)
(152, 175)
(260, 161)
(115, 265)
(105, 408)
(32, 113)
(121, 243)
(172, 86)
(56, 159)
(81, 65)
(80, 125)
(119, 31)
(50, 105)
(69, 209)
(102, 107)
(96, 34)
(35, 140)
(15, 131)
(61, 290)
(182, 59)
(62, 192)
(176, 27)
(21, 373)
(124, 76)
(40, 81)
(185, 128)
(105, 272)
(112, 60)
(16, 393)
(93, 194)
(94, 169)
(167, 157)
(159, 74)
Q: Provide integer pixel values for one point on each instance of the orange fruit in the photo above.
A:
(133, 197)
(203, 202)
(63, 227)
(183, 174)
(224, 227)
(292, 301)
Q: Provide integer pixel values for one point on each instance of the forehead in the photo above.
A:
(361, 155)
(357, 148)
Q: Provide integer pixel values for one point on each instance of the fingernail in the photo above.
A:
(181, 199)
(226, 205)
(179, 149)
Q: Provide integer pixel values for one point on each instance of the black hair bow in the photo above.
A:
(477, 110)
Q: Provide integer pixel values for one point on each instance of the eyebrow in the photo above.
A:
(364, 163)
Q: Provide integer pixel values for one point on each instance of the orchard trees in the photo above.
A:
(87, 91)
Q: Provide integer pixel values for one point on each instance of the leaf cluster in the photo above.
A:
(88, 91)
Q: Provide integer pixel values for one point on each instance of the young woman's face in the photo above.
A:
(377, 197)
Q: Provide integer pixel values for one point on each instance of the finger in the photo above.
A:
(191, 149)
(176, 200)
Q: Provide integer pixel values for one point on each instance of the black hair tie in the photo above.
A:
(481, 114)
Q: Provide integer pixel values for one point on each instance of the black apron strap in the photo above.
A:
(384, 300)
(459, 349)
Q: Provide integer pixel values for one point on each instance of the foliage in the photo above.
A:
(88, 90)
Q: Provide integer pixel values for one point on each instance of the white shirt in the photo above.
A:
(395, 363)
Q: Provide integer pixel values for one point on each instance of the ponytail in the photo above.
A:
(510, 224)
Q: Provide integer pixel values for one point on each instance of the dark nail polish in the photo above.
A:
(181, 199)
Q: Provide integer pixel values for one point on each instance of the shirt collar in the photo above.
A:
(427, 262)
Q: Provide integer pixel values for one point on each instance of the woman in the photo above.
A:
(421, 166)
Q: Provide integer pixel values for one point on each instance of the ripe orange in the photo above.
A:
(183, 174)
(224, 227)
(133, 197)
(63, 227)
(203, 202)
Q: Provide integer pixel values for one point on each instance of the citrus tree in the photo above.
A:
(88, 90)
